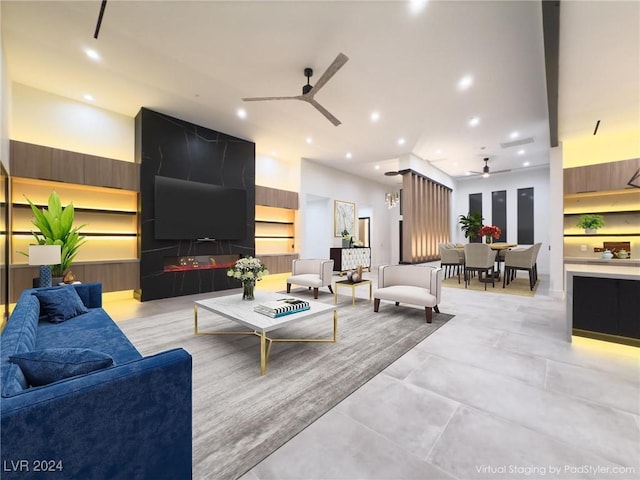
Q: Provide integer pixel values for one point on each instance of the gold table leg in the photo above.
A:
(266, 342)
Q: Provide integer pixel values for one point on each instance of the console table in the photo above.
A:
(349, 258)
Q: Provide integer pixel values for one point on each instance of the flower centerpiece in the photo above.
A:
(248, 270)
(491, 232)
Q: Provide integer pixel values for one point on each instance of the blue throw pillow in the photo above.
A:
(41, 367)
(60, 303)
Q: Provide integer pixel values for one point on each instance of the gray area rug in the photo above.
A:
(239, 417)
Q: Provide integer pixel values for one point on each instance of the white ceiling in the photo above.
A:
(196, 60)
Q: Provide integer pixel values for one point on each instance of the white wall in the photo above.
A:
(46, 119)
(277, 173)
(538, 178)
(320, 182)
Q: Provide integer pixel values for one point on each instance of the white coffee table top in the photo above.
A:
(241, 311)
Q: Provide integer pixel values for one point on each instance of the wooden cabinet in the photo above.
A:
(47, 163)
(350, 258)
(278, 263)
(273, 197)
(600, 177)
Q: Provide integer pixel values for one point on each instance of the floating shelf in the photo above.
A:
(632, 234)
(79, 209)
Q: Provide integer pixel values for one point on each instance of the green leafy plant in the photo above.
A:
(471, 224)
(590, 221)
(55, 227)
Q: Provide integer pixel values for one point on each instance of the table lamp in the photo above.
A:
(44, 256)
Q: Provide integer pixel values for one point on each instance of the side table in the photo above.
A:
(352, 285)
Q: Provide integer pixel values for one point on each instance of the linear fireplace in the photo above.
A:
(198, 262)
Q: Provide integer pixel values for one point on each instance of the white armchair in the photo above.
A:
(412, 284)
(312, 273)
(521, 259)
(479, 258)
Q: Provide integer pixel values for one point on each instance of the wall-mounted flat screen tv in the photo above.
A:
(186, 210)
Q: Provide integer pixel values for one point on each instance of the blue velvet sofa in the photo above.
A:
(130, 420)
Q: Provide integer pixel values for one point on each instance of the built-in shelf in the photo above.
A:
(274, 222)
(86, 234)
(276, 237)
(601, 189)
(26, 206)
(632, 234)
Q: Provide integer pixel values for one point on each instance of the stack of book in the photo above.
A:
(281, 307)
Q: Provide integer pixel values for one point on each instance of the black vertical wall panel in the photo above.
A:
(525, 216)
(475, 205)
(499, 212)
(171, 147)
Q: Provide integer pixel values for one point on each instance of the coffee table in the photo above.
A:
(352, 285)
(241, 311)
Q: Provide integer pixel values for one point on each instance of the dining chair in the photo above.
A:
(521, 259)
(478, 257)
(451, 259)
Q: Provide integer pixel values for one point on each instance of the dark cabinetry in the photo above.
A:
(607, 305)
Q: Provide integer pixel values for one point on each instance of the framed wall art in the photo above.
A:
(344, 218)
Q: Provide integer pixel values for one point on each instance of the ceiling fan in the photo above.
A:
(309, 91)
(485, 170)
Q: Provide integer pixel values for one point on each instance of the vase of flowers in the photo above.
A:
(490, 232)
(248, 270)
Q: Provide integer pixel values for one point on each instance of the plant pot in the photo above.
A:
(591, 231)
(346, 242)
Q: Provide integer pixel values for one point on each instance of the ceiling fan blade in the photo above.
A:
(337, 64)
(325, 112)
(258, 99)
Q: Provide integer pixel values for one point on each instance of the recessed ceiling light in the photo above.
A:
(88, 97)
(465, 82)
(242, 113)
(92, 54)
(274, 154)
(438, 152)
(309, 140)
(455, 164)
(375, 116)
(415, 6)
(348, 155)
(474, 122)
(401, 141)
(377, 167)
(514, 135)
(521, 152)
(526, 164)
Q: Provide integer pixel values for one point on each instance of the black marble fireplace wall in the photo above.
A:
(170, 147)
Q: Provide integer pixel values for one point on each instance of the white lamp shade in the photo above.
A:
(44, 254)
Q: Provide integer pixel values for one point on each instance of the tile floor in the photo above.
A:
(494, 394)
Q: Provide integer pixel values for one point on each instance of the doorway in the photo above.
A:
(364, 231)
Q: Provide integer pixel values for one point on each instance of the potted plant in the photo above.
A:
(55, 227)
(471, 224)
(347, 239)
(591, 222)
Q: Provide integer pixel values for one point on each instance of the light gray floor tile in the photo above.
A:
(338, 447)
(523, 367)
(594, 386)
(574, 421)
(619, 365)
(406, 363)
(480, 445)
(410, 417)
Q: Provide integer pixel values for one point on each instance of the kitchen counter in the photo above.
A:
(624, 262)
(605, 300)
